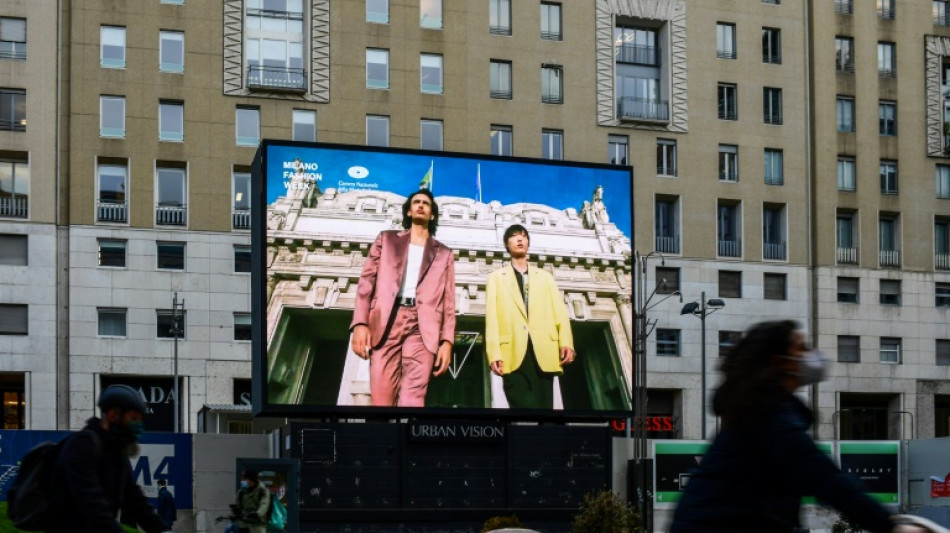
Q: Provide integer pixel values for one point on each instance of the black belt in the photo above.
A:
(406, 302)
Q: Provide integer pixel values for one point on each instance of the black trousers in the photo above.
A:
(529, 387)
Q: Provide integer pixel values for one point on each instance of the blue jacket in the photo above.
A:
(166, 507)
(753, 479)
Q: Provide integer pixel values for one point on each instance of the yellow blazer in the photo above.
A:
(507, 326)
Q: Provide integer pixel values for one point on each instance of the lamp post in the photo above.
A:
(702, 309)
(178, 315)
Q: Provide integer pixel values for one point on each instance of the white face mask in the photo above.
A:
(811, 369)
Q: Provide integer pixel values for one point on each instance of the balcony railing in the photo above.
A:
(774, 118)
(726, 54)
(885, 12)
(500, 30)
(171, 215)
(942, 19)
(282, 78)
(111, 211)
(551, 35)
(730, 248)
(774, 179)
(14, 207)
(638, 108)
(844, 66)
(638, 54)
(890, 258)
(12, 50)
(846, 255)
(241, 219)
(942, 261)
(887, 72)
(668, 245)
(502, 94)
(771, 58)
(666, 170)
(844, 7)
(552, 99)
(773, 250)
(12, 125)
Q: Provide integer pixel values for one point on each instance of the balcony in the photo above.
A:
(846, 255)
(171, 215)
(890, 258)
(773, 250)
(668, 245)
(276, 78)
(241, 219)
(942, 261)
(638, 108)
(107, 211)
(638, 54)
(14, 207)
(731, 248)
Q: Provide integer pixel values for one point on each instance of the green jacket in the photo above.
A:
(254, 500)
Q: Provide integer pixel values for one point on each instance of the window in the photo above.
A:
(942, 349)
(166, 327)
(942, 243)
(377, 68)
(501, 140)
(13, 250)
(430, 134)
(941, 10)
(111, 322)
(430, 14)
(171, 121)
(500, 79)
(175, 2)
(888, 177)
(728, 230)
(14, 319)
(728, 340)
(248, 126)
(305, 125)
(890, 292)
(666, 219)
(430, 73)
(112, 204)
(846, 173)
(618, 148)
(885, 9)
(551, 83)
(725, 40)
(377, 130)
(637, 46)
(888, 240)
(887, 118)
(728, 102)
(844, 112)
(638, 74)
(668, 342)
(171, 51)
(848, 290)
(241, 207)
(171, 192)
(377, 11)
(941, 294)
(849, 349)
(499, 17)
(112, 116)
(772, 105)
(14, 187)
(728, 162)
(112, 253)
(774, 167)
(891, 350)
(551, 21)
(274, 37)
(242, 258)
(844, 7)
(844, 54)
(886, 60)
(845, 226)
(774, 286)
(552, 144)
(171, 255)
(242, 326)
(771, 45)
(12, 110)
(667, 280)
(773, 232)
(12, 38)
(112, 47)
(943, 181)
(773, 2)
(666, 157)
(730, 284)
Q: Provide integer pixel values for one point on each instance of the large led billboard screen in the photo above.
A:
(367, 303)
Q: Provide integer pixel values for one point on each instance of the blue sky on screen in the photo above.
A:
(508, 182)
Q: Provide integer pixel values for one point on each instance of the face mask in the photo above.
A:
(244, 485)
(811, 369)
(136, 427)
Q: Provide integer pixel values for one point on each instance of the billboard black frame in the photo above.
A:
(262, 407)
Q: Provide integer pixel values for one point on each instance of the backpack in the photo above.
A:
(276, 514)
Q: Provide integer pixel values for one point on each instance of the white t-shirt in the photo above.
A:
(413, 264)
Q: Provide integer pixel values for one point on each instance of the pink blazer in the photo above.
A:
(382, 278)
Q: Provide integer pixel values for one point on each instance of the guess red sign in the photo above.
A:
(651, 423)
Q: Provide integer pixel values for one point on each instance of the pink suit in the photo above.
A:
(404, 345)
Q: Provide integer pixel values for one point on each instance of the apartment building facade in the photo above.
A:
(749, 129)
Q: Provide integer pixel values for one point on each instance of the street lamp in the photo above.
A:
(178, 318)
(702, 309)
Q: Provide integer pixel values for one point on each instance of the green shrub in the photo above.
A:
(498, 522)
(605, 512)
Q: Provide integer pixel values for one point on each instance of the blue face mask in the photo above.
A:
(137, 427)
(244, 484)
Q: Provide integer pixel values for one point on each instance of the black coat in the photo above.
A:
(92, 482)
(753, 479)
(166, 506)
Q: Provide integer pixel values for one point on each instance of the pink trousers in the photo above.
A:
(399, 370)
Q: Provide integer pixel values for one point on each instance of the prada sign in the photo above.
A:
(454, 431)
